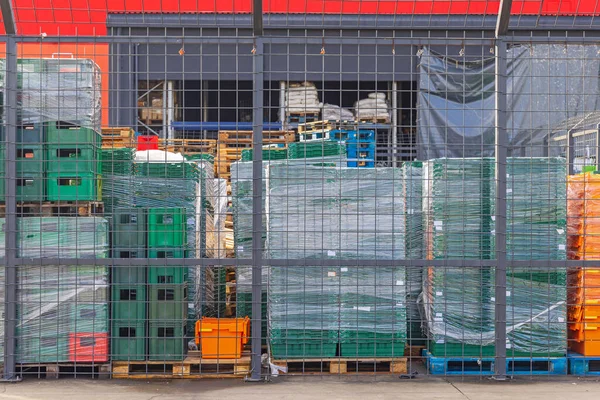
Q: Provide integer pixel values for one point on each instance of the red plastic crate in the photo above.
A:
(88, 347)
(147, 142)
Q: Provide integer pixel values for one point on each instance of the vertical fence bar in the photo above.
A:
(257, 188)
(501, 155)
(10, 293)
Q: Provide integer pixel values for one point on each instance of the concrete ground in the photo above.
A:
(315, 387)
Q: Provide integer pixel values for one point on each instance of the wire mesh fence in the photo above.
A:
(186, 195)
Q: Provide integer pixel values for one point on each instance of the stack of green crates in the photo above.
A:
(58, 302)
(459, 302)
(129, 232)
(73, 162)
(316, 149)
(352, 213)
(269, 154)
(117, 161)
(31, 166)
(167, 287)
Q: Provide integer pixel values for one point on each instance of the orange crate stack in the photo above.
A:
(222, 337)
(584, 244)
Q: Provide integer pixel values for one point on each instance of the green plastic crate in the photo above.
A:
(58, 132)
(128, 303)
(68, 187)
(42, 349)
(90, 318)
(370, 344)
(166, 275)
(128, 341)
(30, 159)
(166, 253)
(72, 159)
(294, 343)
(166, 341)
(129, 228)
(134, 275)
(167, 303)
(166, 227)
(30, 188)
(30, 133)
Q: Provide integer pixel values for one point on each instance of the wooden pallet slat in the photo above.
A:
(380, 365)
(57, 208)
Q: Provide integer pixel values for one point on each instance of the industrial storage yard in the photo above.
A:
(331, 198)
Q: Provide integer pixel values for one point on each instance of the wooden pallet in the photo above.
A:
(56, 370)
(57, 208)
(232, 143)
(189, 146)
(312, 366)
(302, 117)
(192, 367)
(117, 137)
(374, 120)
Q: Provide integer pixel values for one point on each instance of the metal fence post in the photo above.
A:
(500, 238)
(10, 276)
(257, 189)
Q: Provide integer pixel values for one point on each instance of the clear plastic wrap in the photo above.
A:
(412, 173)
(60, 305)
(459, 203)
(330, 212)
(59, 89)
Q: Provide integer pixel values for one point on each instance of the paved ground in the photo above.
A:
(306, 388)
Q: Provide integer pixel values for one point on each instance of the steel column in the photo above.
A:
(257, 189)
(501, 155)
(10, 275)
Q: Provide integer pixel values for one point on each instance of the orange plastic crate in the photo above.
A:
(586, 348)
(222, 337)
(88, 347)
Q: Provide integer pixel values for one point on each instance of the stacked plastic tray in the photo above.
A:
(324, 213)
(459, 203)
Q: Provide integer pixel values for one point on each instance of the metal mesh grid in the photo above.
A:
(422, 227)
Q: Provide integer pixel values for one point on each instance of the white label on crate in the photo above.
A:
(508, 190)
(507, 176)
(493, 299)
(561, 319)
(240, 248)
(508, 345)
(441, 341)
(439, 293)
(493, 231)
(438, 223)
(561, 247)
(331, 273)
(399, 283)
(560, 231)
(191, 305)
(508, 293)
(331, 253)
(344, 269)
(362, 308)
(439, 314)
(493, 217)
(436, 319)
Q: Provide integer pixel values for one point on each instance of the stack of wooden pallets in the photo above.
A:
(117, 137)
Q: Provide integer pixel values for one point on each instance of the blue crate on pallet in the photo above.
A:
(485, 365)
(361, 154)
(584, 365)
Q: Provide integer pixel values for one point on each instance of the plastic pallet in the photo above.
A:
(584, 365)
(485, 365)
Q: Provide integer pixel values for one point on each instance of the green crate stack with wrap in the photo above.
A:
(330, 212)
(241, 190)
(62, 313)
(458, 206)
(459, 303)
(412, 173)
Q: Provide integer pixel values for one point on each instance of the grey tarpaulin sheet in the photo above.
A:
(547, 85)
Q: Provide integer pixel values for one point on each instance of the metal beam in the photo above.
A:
(257, 209)
(257, 17)
(503, 18)
(8, 17)
(10, 226)
(501, 210)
